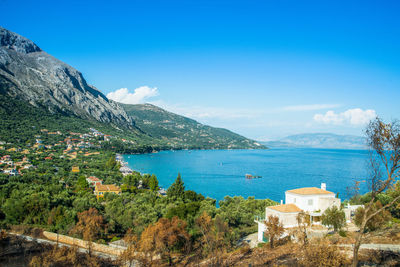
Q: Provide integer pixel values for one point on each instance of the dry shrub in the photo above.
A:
(63, 257)
(321, 253)
(282, 255)
(3, 234)
(381, 258)
(20, 229)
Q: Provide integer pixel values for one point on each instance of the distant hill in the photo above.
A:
(56, 94)
(320, 140)
(177, 130)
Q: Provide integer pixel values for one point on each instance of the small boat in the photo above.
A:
(250, 176)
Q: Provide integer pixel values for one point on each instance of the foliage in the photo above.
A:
(177, 189)
(376, 221)
(164, 237)
(303, 222)
(214, 237)
(383, 140)
(334, 217)
(90, 224)
(153, 183)
(184, 132)
(274, 229)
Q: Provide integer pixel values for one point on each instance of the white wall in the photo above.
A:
(288, 219)
(311, 202)
(261, 230)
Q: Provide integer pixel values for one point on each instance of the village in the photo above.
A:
(16, 160)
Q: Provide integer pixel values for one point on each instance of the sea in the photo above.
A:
(220, 173)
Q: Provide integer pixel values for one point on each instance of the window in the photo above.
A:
(310, 202)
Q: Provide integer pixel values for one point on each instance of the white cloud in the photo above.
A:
(354, 116)
(310, 107)
(138, 96)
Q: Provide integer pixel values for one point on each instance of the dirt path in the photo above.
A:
(382, 247)
(252, 240)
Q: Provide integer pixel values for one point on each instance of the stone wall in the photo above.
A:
(83, 244)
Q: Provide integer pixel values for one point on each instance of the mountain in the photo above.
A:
(176, 129)
(30, 74)
(38, 89)
(320, 140)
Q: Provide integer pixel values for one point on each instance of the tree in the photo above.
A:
(81, 184)
(153, 183)
(132, 254)
(377, 221)
(214, 237)
(334, 217)
(111, 164)
(383, 140)
(90, 223)
(274, 229)
(303, 222)
(177, 189)
(164, 237)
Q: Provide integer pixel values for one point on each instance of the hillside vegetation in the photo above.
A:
(179, 131)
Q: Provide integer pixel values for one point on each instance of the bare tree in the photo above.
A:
(274, 229)
(303, 223)
(383, 140)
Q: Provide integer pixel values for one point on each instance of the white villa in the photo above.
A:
(312, 200)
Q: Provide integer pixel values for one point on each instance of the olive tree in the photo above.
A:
(334, 217)
(383, 140)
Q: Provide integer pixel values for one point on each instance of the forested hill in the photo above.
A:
(57, 94)
(176, 129)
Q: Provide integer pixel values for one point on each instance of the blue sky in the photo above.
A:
(264, 69)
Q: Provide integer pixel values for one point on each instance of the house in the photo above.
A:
(11, 172)
(101, 189)
(75, 168)
(311, 200)
(94, 181)
(6, 158)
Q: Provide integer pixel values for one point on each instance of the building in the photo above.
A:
(75, 168)
(94, 181)
(311, 200)
(11, 172)
(101, 189)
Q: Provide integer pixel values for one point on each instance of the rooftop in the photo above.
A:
(285, 208)
(107, 187)
(309, 191)
(94, 179)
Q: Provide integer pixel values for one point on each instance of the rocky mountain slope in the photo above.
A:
(320, 140)
(28, 73)
(176, 129)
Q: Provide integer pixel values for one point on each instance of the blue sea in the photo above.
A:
(220, 173)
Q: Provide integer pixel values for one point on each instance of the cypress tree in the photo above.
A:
(177, 189)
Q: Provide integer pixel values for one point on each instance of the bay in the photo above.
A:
(220, 173)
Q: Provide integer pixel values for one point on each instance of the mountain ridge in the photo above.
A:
(163, 124)
(320, 140)
(29, 74)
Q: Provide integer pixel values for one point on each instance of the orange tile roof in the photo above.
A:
(107, 187)
(309, 191)
(286, 208)
(93, 178)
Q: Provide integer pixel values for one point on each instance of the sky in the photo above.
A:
(263, 69)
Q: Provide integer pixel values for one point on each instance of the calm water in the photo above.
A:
(218, 173)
